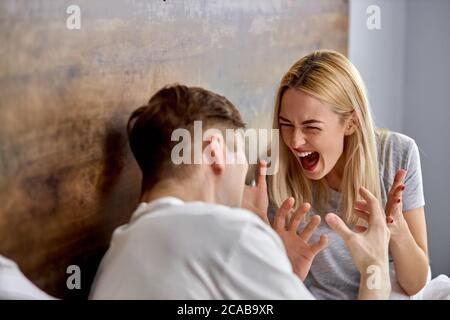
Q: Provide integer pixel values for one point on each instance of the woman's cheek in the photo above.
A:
(285, 138)
(322, 161)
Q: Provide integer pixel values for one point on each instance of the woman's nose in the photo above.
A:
(298, 138)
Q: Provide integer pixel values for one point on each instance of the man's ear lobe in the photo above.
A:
(213, 153)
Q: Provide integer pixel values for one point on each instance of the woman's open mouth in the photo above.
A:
(309, 160)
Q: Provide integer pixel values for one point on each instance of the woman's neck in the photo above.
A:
(334, 177)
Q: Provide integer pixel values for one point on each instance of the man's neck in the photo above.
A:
(184, 191)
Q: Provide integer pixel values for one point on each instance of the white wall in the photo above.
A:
(427, 115)
(378, 55)
(406, 67)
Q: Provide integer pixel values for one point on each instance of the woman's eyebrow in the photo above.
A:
(311, 121)
(283, 118)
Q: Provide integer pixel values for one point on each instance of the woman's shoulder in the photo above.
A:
(398, 151)
(391, 142)
(395, 151)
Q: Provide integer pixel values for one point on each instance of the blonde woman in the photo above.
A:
(329, 148)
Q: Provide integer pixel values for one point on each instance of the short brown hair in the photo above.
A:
(150, 127)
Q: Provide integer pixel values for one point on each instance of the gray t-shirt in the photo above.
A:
(333, 276)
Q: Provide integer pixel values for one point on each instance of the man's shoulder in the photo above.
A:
(204, 218)
(212, 211)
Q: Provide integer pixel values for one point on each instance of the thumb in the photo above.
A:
(261, 174)
(338, 226)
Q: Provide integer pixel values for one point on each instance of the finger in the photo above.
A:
(362, 214)
(339, 226)
(279, 220)
(310, 228)
(377, 214)
(398, 180)
(359, 229)
(298, 216)
(319, 245)
(261, 172)
(361, 207)
(396, 208)
(397, 193)
(394, 201)
(361, 204)
(400, 176)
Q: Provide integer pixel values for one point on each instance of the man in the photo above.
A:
(191, 239)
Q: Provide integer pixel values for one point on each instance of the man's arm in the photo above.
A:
(258, 268)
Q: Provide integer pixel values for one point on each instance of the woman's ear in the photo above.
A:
(351, 124)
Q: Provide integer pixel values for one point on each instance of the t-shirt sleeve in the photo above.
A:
(413, 197)
(258, 268)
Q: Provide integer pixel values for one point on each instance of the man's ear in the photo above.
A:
(351, 124)
(214, 152)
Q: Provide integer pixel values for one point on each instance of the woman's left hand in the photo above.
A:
(394, 208)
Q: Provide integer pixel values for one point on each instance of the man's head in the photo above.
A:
(177, 107)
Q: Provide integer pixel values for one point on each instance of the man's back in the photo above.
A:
(176, 250)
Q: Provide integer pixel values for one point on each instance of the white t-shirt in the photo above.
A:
(176, 250)
(15, 286)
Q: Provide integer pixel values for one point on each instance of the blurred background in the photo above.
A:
(67, 178)
(406, 68)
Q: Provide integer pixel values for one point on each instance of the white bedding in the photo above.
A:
(435, 289)
(14, 285)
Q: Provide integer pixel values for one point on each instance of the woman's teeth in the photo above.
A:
(309, 159)
(304, 154)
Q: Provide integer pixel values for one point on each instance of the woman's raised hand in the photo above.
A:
(368, 249)
(370, 245)
(393, 209)
(299, 251)
(255, 198)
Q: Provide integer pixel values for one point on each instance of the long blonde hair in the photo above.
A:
(330, 77)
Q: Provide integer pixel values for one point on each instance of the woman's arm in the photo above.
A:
(408, 246)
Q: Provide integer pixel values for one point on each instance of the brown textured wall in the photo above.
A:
(66, 175)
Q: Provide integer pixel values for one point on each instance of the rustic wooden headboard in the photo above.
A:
(67, 177)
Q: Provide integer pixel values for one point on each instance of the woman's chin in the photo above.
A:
(317, 173)
(313, 176)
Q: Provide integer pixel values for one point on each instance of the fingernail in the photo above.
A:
(398, 200)
(402, 188)
(389, 219)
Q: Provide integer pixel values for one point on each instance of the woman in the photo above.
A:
(328, 150)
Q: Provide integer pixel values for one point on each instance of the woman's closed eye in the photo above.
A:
(290, 125)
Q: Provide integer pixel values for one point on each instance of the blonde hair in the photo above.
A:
(332, 78)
